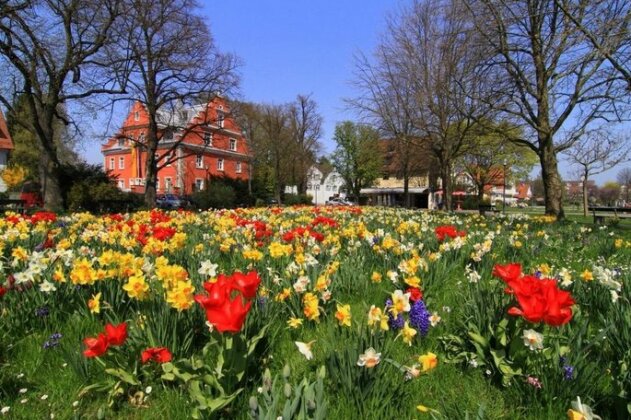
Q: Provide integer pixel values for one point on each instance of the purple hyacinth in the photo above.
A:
(568, 372)
(419, 317)
(42, 312)
(394, 323)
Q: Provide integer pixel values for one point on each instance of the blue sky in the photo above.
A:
(300, 47)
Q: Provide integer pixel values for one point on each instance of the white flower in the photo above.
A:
(148, 390)
(614, 296)
(370, 358)
(300, 286)
(305, 349)
(533, 340)
(75, 404)
(208, 269)
(47, 287)
(5, 410)
(20, 375)
(473, 363)
(326, 296)
(434, 319)
(393, 276)
(24, 401)
(44, 397)
(23, 391)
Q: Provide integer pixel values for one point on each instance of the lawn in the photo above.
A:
(306, 312)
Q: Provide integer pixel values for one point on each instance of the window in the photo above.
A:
(199, 184)
(309, 187)
(238, 167)
(169, 158)
(199, 161)
(233, 145)
(208, 139)
(136, 116)
(168, 184)
(121, 162)
(168, 135)
(220, 119)
(157, 184)
(121, 184)
(121, 142)
(112, 164)
(220, 164)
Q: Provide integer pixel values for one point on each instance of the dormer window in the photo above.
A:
(121, 142)
(233, 145)
(220, 119)
(168, 135)
(136, 116)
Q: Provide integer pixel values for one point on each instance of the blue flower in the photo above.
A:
(42, 312)
(420, 317)
(568, 372)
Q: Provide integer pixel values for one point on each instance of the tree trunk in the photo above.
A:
(51, 186)
(151, 169)
(406, 191)
(552, 185)
(445, 174)
(585, 201)
(481, 198)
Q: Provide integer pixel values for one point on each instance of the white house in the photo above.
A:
(6, 145)
(321, 185)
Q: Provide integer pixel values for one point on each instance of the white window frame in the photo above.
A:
(208, 139)
(168, 184)
(220, 119)
(157, 183)
(220, 164)
(199, 184)
(112, 164)
(199, 161)
(121, 184)
(233, 144)
(238, 168)
(121, 162)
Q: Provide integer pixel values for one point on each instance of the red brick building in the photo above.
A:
(201, 141)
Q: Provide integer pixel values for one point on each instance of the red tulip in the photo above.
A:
(230, 316)
(247, 284)
(447, 231)
(3, 291)
(96, 346)
(218, 292)
(116, 334)
(157, 354)
(415, 293)
(507, 272)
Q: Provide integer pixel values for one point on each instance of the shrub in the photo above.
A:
(295, 199)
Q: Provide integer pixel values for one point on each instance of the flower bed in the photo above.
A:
(313, 312)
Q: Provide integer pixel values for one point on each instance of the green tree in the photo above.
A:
(356, 156)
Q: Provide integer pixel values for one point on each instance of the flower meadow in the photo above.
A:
(313, 313)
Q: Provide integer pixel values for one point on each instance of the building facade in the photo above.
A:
(6, 145)
(196, 143)
(322, 185)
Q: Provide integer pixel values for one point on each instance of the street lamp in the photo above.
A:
(504, 189)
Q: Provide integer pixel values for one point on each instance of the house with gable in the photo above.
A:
(196, 143)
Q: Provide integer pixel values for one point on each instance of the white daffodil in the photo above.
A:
(533, 340)
(305, 349)
(208, 269)
(369, 359)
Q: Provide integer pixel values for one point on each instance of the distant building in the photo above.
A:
(6, 145)
(200, 141)
(388, 190)
(322, 185)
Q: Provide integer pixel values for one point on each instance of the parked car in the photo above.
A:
(169, 201)
(339, 201)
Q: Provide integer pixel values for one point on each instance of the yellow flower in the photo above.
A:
(544, 269)
(587, 275)
(278, 250)
(294, 322)
(422, 408)
(376, 277)
(181, 296)
(400, 303)
(282, 296)
(343, 315)
(311, 309)
(413, 281)
(58, 275)
(428, 361)
(82, 272)
(136, 287)
(408, 333)
(252, 254)
(94, 304)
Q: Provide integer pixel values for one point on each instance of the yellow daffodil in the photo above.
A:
(136, 287)
(294, 322)
(428, 361)
(343, 315)
(408, 333)
(94, 304)
(587, 275)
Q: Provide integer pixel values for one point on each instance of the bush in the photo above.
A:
(295, 199)
(216, 196)
(100, 197)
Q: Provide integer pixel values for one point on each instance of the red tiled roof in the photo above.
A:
(522, 191)
(5, 138)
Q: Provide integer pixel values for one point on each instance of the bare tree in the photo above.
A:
(554, 82)
(52, 54)
(624, 179)
(175, 63)
(306, 129)
(273, 147)
(595, 153)
(426, 85)
(605, 25)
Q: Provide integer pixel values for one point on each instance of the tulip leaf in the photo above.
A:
(123, 376)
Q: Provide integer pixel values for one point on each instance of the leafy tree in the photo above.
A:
(624, 179)
(610, 193)
(356, 157)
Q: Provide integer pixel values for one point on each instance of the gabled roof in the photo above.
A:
(6, 143)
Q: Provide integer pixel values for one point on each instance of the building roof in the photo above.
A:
(523, 191)
(6, 143)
